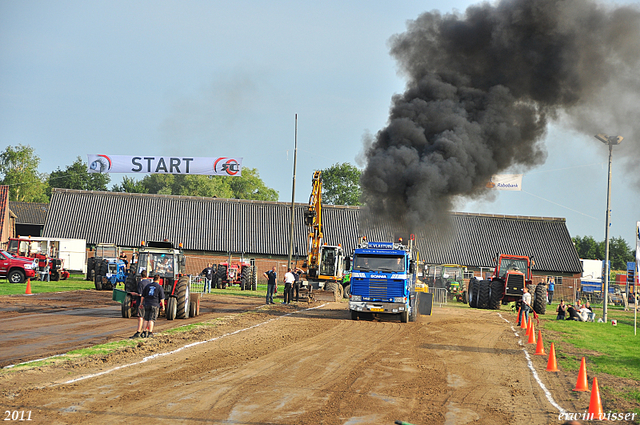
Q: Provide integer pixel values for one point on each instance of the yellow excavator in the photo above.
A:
(325, 264)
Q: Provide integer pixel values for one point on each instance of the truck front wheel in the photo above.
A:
(16, 276)
(404, 317)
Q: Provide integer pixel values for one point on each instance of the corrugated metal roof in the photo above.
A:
(262, 228)
(29, 212)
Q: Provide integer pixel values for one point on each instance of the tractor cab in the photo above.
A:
(162, 259)
(515, 271)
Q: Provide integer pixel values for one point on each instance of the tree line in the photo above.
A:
(619, 251)
(19, 170)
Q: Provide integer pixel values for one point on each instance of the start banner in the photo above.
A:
(143, 164)
(505, 182)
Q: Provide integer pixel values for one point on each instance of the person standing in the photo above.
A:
(296, 284)
(141, 285)
(271, 276)
(525, 307)
(550, 289)
(289, 278)
(152, 296)
(208, 276)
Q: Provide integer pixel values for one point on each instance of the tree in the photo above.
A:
(248, 186)
(619, 251)
(19, 170)
(76, 176)
(341, 185)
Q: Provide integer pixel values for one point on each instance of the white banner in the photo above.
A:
(221, 166)
(505, 182)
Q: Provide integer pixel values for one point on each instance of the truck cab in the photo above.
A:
(383, 278)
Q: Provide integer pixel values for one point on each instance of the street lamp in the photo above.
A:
(610, 141)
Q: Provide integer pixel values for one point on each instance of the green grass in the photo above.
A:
(74, 283)
(612, 349)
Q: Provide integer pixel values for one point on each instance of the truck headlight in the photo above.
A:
(28, 266)
(400, 300)
(356, 298)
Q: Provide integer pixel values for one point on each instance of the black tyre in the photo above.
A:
(484, 293)
(130, 284)
(254, 278)
(245, 279)
(98, 282)
(354, 315)
(172, 308)
(194, 308)
(90, 264)
(465, 297)
(55, 276)
(221, 273)
(16, 276)
(540, 302)
(126, 306)
(347, 291)
(473, 293)
(182, 298)
(497, 292)
(104, 267)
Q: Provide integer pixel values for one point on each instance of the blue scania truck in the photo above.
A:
(383, 280)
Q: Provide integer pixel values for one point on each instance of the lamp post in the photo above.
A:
(609, 141)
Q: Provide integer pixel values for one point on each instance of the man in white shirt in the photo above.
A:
(289, 278)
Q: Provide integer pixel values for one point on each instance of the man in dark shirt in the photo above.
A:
(152, 296)
(141, 285)
(271, 284)
(573, 314)
(296, 284)
(208, 275)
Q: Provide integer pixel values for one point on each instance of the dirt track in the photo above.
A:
(288, 364)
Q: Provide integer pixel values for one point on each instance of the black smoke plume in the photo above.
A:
(482, 88)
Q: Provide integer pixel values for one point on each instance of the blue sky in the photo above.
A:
(210, 78)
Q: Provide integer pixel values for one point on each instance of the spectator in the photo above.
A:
(138, 296)
(289, 278)
(525, 307)
(208, 276)
(591, 314)
(550, 289)
(152, 297)
(296, 284)
(271, 276)
(561, 310)
(123, 257)
(573, 314)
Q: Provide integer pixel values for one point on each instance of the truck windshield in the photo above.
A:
(383, 263)
(156, 264)
(508, 264)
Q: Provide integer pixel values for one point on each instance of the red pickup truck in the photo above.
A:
(16, 269)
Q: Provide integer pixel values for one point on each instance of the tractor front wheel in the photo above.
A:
(497, 293)
(540, 301)
(182, 297)
(172, 308)
(484, 293)
(126, 306)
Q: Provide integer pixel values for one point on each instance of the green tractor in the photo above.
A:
(449, 277)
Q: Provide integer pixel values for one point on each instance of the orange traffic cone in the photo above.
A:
(529, 327)
(582, 384)
(532, 335)
(595, 405)
(539, 346)
(552, 365)
(523, 323)
(28, 291)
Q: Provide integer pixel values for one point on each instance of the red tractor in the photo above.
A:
(45, 252)
(507, 284)
(241, 273)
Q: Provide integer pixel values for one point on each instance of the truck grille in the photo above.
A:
(377, 289)
(515, 284)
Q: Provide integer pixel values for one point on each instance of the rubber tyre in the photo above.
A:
(130, 284)
(126, 306)
(540, 302)
(221, 272)
(254, 278)
(354, 315)
(98, 282)
(104, 267)
(192, 309)
(347, 291)
(245, 279)
(473, 293)
(90, 263)
(16, 276)
(484, 293)
(182, 298)
(465, 297)
(497, 293)
(172, 308)
(404, 317)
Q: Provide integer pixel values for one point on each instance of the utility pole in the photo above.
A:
(293, 190)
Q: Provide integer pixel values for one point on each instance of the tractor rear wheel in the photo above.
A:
(254, 278)
(126, 306)
(172, 308)
(90, 263)
(484, 293)
(221, 272)
(473, 293)
(182, 297)
(245, 278)
(98, 282)
(497, 292)
(540, 302)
